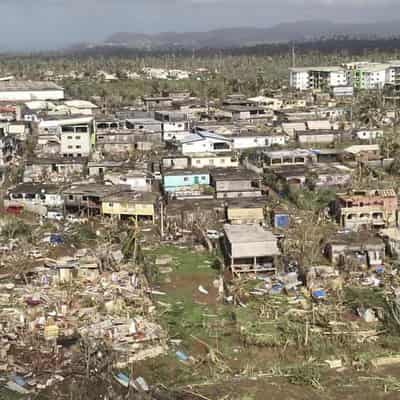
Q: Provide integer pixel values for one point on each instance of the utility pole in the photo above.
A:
(162, 219)
(293, 56)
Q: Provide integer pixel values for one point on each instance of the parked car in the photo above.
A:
(55, 215)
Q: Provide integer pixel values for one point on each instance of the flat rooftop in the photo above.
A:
(132, 197)
(19, 86)
(233, 174)
(248, 234)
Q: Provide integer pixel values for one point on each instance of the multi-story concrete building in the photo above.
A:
(317, 77)
(359, 75)
(367, 208)
(365, 75)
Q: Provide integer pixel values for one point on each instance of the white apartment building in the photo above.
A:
(366, 75)
(360, 75)
(76, 140)
(299, 78)
(317, 77)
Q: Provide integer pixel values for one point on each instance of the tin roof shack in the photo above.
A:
(288, 157)
(250, 248)
(366, 208)
(391, 236)
(358, 249)
(88, 197)
(233, 183)
(246, 211)
(130, 204)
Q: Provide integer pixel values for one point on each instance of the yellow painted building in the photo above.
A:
(133, 204)
(238, 214)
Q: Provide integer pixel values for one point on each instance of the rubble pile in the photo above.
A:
(66, 316)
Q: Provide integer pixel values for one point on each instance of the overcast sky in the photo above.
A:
(44, 24)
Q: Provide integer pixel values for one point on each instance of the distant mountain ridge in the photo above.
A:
(239, 37)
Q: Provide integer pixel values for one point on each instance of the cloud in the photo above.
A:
(48, 23)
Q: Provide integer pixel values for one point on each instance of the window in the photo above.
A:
(78, 146)
(203, 178)
(70, 147)
(77, 138)
(185, 179)
(223, 161)
(211, 162)
(69, 137)
(111, 205)
(198, 161)
(84, 198)
(70, 197)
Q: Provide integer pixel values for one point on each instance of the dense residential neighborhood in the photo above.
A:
(222, 237)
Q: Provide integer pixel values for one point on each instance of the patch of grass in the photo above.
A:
(185, 260)
(367, 297)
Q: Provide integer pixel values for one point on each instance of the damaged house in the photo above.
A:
(288, 157)
(366, 208)
(140, 205)
(245, 211)
(53, 168)
(35, 197)
(234, 183)
(88, 197)
(250, 248)
(360, 249)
